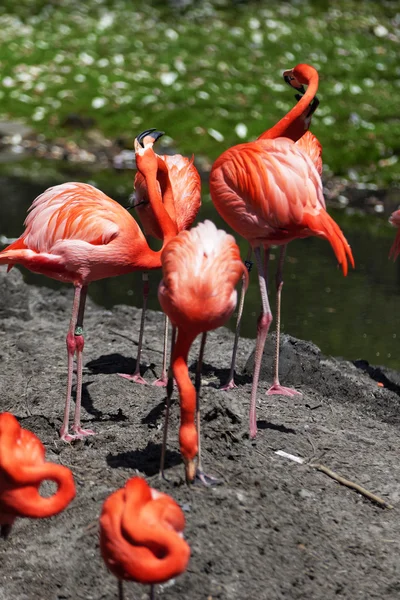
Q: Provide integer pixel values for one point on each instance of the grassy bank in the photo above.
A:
(209, 76)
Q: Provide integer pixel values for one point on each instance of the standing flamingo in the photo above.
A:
(22, 470)
(294, 125)
(180, 187)
(75, 233)
(141, 535)
(395, 221)
(270, 192)
(201, 268)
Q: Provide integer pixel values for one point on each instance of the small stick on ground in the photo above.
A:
(352, 485)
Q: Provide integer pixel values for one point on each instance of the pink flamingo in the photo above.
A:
(270, 192)
(76, 234)
(294, 125)
(22, 470)
(180, 187)
(201, 268)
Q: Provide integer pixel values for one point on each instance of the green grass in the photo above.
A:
(213, 68)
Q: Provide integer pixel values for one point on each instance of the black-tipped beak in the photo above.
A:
(289, 79)
(149, 132)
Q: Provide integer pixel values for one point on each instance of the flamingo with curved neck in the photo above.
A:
(141, 534)
(294, 125)
(179, 183)
(23, 469)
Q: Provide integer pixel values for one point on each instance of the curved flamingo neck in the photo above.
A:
(295, 123)
(187, 394)
(167, 225)
(166, 187)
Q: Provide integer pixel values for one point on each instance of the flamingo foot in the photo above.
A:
(229, 385)
(162, 382)
(136, 377)
(278, 389)
(205, 479)
(78, 434)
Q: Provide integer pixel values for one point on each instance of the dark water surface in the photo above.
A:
(353, 317)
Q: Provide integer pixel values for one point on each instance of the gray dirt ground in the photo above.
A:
(274, 529)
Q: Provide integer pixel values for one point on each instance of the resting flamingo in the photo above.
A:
(180, 187)
(141, 535)
(22, 470)
(76, 234)
(201, 268)
(270, 192)
(294, 125)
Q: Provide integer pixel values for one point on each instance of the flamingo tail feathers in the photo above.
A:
(324, 226)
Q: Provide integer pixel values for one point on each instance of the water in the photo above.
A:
(353, 317)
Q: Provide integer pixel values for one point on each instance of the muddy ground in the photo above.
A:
(274, 529)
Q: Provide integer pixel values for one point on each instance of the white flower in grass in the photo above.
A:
(168, 78)
(39, 113)
(86, 59)
(171, 34)
(217, 135)
(103, 62)
(106, 21)
(99, 102)
(380, 31)
(202, 95)
(241, 130)
(8, 82)
(118, 59)
(80, 78)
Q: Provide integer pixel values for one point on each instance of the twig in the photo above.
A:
(352, 485)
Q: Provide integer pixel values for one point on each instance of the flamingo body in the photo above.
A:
(201, 268)
(141, 534)
(270, 193)
(76, 234)
(22, 469)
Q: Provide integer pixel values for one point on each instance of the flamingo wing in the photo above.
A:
(312, 147)
(264, 187)
(186, 187)
(72, 211)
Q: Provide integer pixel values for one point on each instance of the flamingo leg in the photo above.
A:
(263, 324)
(231, 378)
(120, 589)
(170, 389)
(136, 377)
(276, 387)
(200, 475)
(71, 347)
(152, 595)
(162, 382)
(79, 432)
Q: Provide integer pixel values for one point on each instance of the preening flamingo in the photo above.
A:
(294, 125)
(394, 220)
(22, 470)
(270, 192)
(180, 187)
(201, 268)
(141, 535)
(76, 234)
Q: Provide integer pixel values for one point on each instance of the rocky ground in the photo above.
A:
(274, 528)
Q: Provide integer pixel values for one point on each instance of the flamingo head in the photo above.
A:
(148, 137)
(146, 158)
